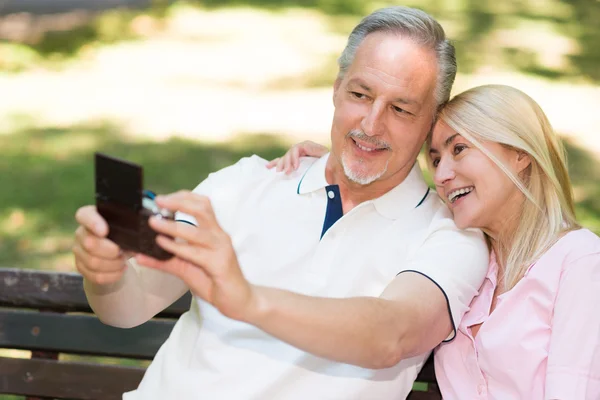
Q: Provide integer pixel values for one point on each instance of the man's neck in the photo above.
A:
(353, 193)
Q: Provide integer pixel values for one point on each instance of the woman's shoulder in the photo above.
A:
(578, 244)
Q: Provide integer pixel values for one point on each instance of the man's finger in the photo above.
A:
(190, 203)
(88, 262)
(193, 254)
(89, 217)
(189, 233)
(96, 246)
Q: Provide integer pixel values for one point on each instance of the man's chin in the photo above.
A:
(363, 178)
(358, 172)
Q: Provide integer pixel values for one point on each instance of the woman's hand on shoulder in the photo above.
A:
(291, 159)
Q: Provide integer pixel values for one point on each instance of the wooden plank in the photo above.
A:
(62, 380)
(80, 334)
(21, 288)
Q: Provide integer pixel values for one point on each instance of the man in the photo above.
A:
(331, 283)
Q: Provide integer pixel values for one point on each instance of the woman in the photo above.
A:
(533, 330)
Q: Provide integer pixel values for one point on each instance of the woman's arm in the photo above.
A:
(290, 160)
(574, 355)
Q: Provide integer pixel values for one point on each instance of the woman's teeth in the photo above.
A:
(456, 193)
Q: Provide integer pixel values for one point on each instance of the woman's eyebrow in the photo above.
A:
(449, 140)
(447, 143)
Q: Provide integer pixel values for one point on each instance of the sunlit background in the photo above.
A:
(185, 88)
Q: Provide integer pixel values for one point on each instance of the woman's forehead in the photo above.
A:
(442, 135)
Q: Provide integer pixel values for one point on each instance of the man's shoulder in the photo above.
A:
(255, 167)
(248, 175)
(440, 225)
(435, 213)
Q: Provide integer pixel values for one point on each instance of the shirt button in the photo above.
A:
(331, 194)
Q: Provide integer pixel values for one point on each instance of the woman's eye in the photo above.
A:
(435, 162)
(459, 148)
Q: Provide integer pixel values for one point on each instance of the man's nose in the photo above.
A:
(372, 123)
(444, 172)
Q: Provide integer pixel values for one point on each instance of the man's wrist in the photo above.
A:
(259, 306)
(102, 289)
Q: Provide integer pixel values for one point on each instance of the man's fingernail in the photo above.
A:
(157, 221)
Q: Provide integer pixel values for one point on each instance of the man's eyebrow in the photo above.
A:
(402, 100)
(447, 143)
(360, 83)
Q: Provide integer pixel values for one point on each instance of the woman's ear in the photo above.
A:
(523, 161)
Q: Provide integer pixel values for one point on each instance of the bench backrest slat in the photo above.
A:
(58, 292)
(61, 380)
(80, 334)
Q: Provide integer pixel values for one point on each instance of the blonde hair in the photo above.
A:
(505, 115)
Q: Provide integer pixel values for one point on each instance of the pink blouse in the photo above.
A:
(542, 341)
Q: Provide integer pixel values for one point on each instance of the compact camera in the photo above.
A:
(126, 206)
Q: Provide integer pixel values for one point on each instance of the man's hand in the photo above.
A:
(204, 256)
(98, 259)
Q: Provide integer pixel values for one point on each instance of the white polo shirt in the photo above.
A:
(288, 232)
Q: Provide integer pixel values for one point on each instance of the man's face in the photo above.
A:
(384, 108)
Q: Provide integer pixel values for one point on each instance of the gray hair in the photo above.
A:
(416, 25)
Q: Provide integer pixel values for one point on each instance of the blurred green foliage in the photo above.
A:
(549, 38)
(332, 7)
(53, 47)
(55, 176)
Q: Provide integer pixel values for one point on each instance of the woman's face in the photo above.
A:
(477, 191)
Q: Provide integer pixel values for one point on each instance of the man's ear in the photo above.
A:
(336, 87)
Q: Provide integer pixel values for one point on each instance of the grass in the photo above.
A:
(48, 173)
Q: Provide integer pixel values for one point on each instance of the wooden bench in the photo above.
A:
(47, 313)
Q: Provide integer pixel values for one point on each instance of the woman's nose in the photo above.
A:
(444, 172)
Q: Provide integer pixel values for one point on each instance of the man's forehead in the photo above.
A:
(395, 60)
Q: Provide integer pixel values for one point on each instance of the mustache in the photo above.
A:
(360, 135)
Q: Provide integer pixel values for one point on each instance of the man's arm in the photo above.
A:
(121, 293)
(411, 317)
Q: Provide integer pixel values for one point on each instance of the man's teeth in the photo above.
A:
(364, 148)
(454, 195)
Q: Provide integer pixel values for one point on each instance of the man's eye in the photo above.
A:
(399, 110)
(358, 95)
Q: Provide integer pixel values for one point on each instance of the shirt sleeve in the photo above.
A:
(456, 261)
(574, 355)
